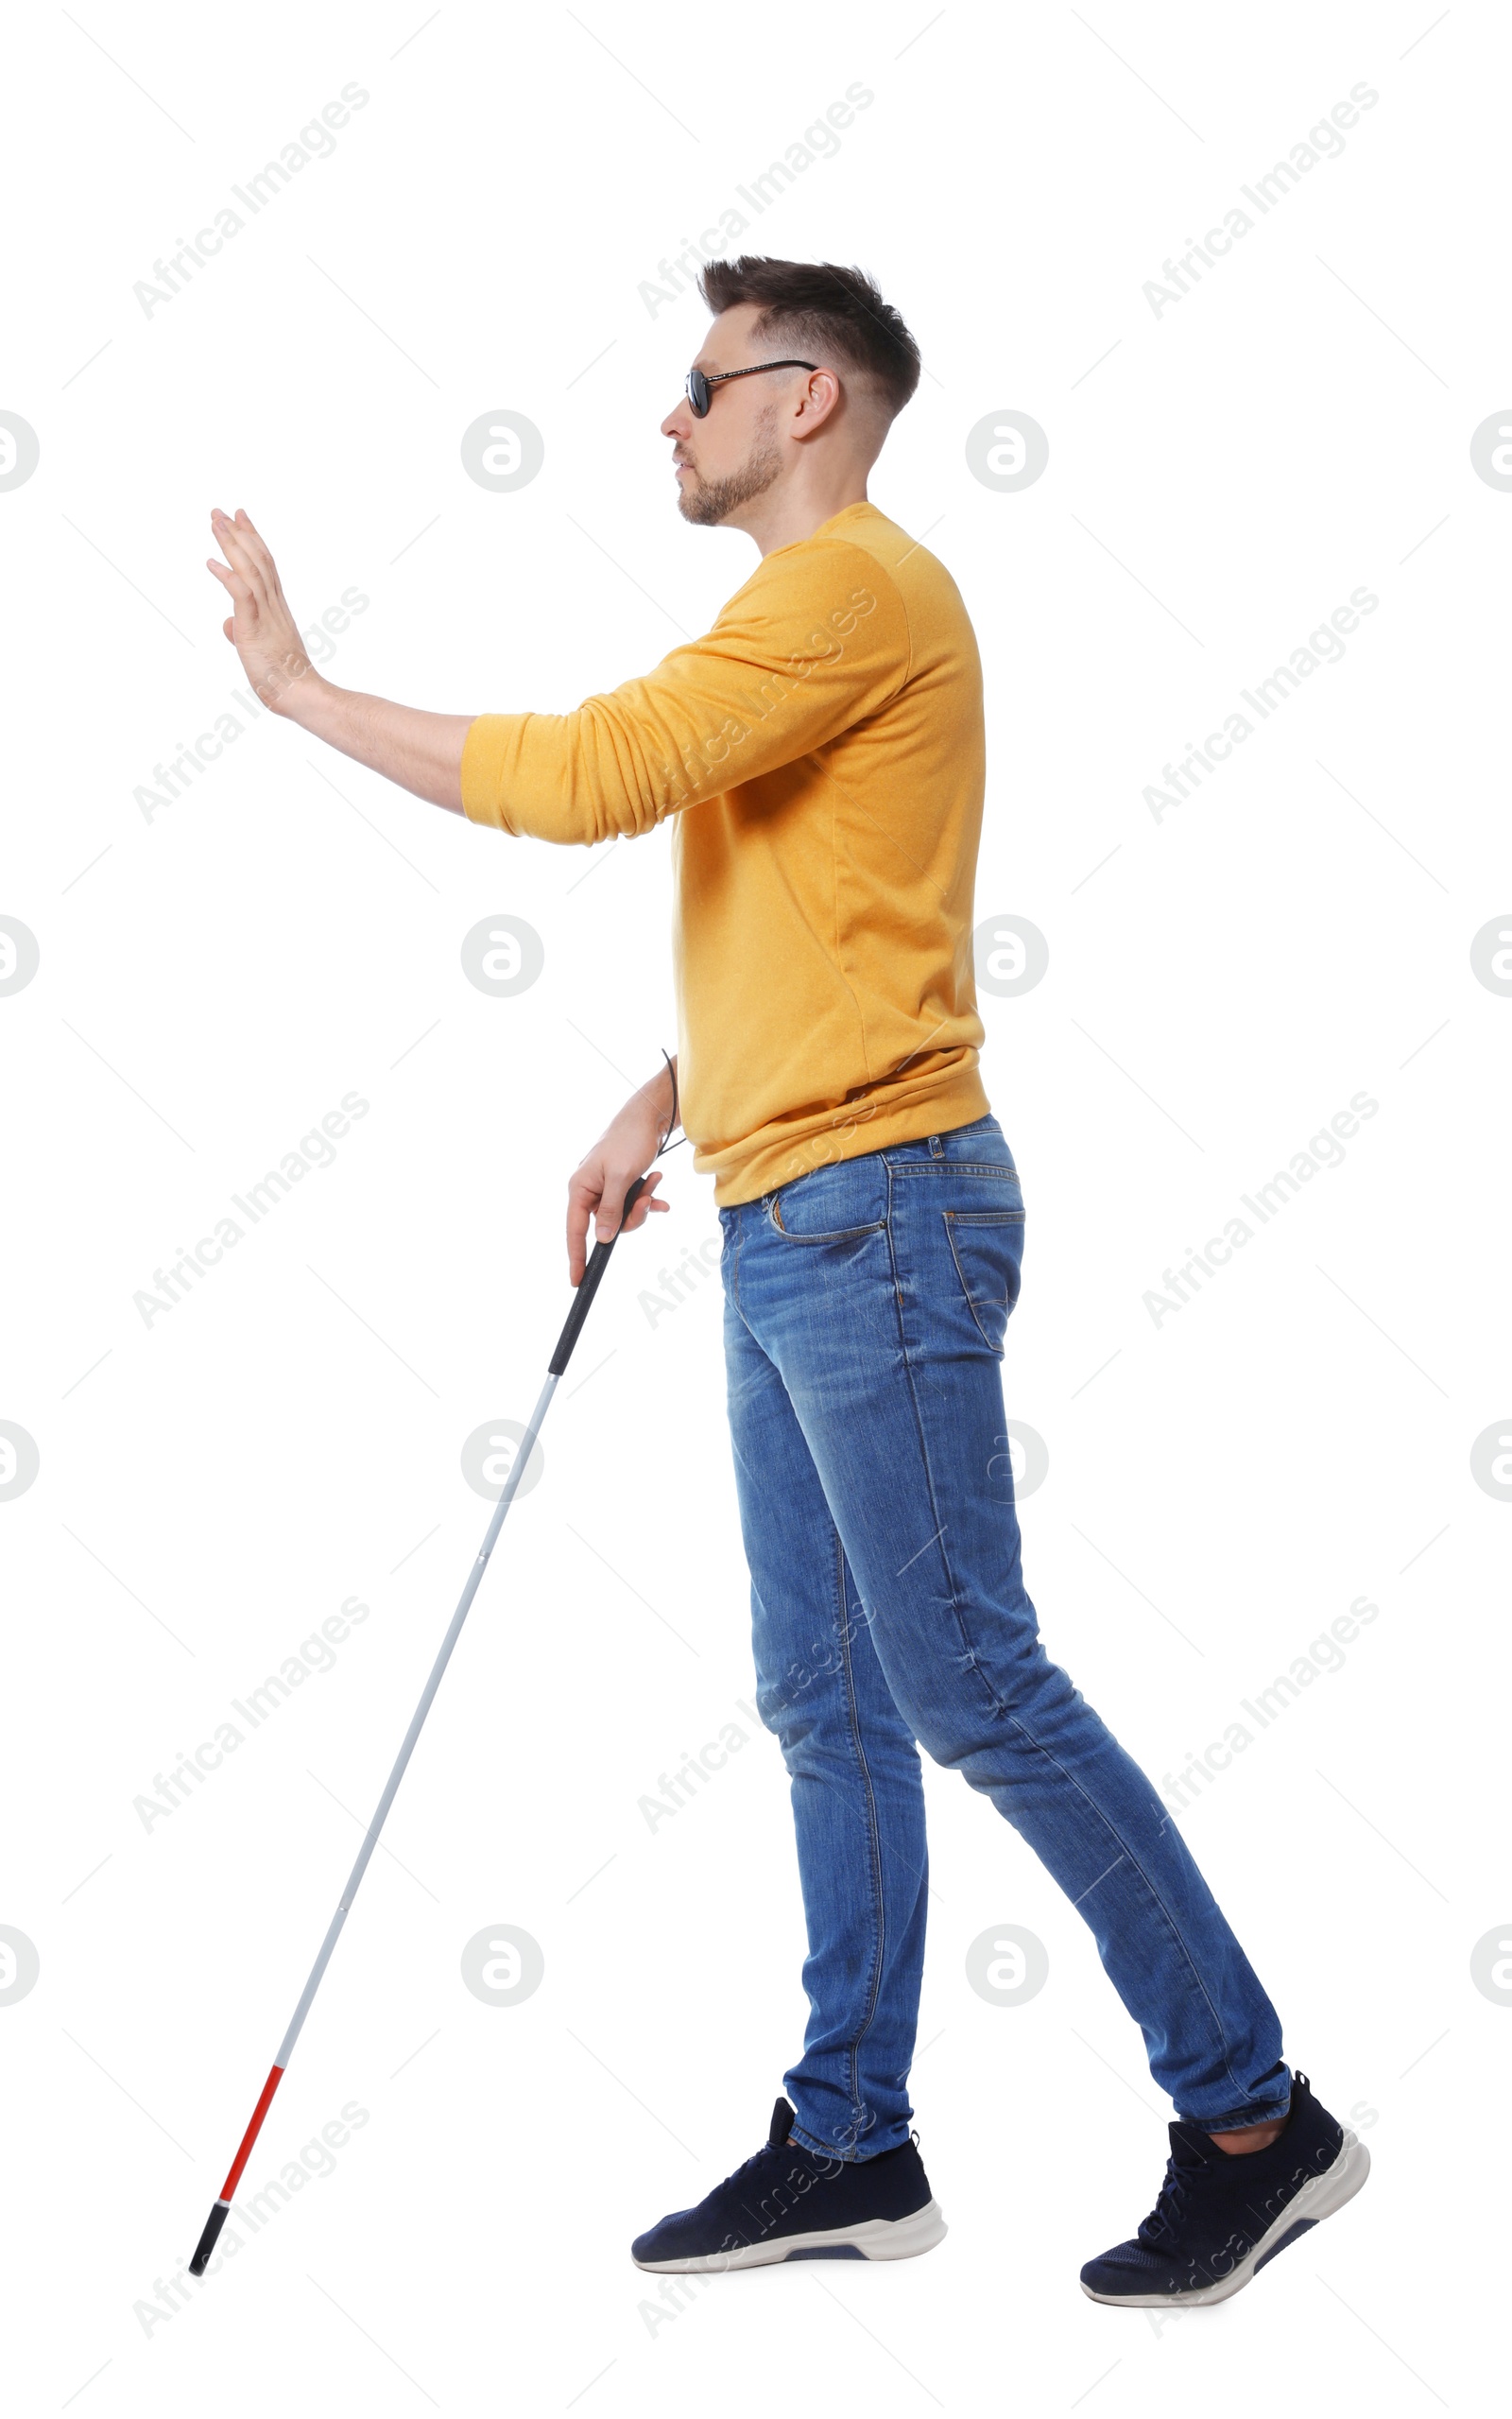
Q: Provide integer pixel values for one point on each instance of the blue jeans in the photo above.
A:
(865, 1309)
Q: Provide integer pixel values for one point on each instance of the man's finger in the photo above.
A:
(256, 545)
(646, 1205)
(579, 1209)
(594, 1195)
(258, 549)
(234, 546)
(611, 1203)
(233, 581)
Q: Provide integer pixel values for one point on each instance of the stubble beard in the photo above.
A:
(712, 501)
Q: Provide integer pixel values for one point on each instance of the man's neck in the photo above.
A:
(782, 518)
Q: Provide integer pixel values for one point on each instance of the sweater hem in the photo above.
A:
(746, 1171)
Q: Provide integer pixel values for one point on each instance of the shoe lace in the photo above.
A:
(1170, 2205)
(754, 2159)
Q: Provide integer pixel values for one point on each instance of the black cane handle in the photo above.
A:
(588, 1283)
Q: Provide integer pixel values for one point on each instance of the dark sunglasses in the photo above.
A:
(700, 389)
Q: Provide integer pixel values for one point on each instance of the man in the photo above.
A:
(821, 758)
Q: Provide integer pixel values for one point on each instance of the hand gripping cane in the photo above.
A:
(582, 1303)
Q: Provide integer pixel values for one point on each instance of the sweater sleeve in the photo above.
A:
(817, 640)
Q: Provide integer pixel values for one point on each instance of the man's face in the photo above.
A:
(734, 454)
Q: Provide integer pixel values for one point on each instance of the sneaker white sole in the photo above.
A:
(1318, 2197)
(876, 2238)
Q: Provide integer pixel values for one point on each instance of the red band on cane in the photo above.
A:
(275, 2078)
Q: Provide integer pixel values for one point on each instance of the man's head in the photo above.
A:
(823, 425)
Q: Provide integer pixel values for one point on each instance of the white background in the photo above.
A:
(212, 981)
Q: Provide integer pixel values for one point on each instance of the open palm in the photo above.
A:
(261, 626)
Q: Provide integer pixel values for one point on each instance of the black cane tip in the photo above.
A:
(208, 2239)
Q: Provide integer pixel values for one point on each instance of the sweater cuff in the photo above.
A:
(484, 749)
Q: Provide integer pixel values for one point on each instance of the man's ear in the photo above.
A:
(820, 401)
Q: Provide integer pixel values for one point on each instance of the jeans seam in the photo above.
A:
(734, 1271)
(938, 1537)
(952, 1167)
(879, 1901)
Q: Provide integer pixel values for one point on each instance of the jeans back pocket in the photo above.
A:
(987, 1247)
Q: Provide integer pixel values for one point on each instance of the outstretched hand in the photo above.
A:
(262, 627)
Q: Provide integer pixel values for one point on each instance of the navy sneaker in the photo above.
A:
(786, 2202)
(1220, 2216)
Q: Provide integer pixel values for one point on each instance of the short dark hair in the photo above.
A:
(815, 307)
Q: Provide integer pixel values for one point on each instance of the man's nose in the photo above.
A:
(679, 421)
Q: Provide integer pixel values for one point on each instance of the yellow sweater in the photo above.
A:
(821, 754)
